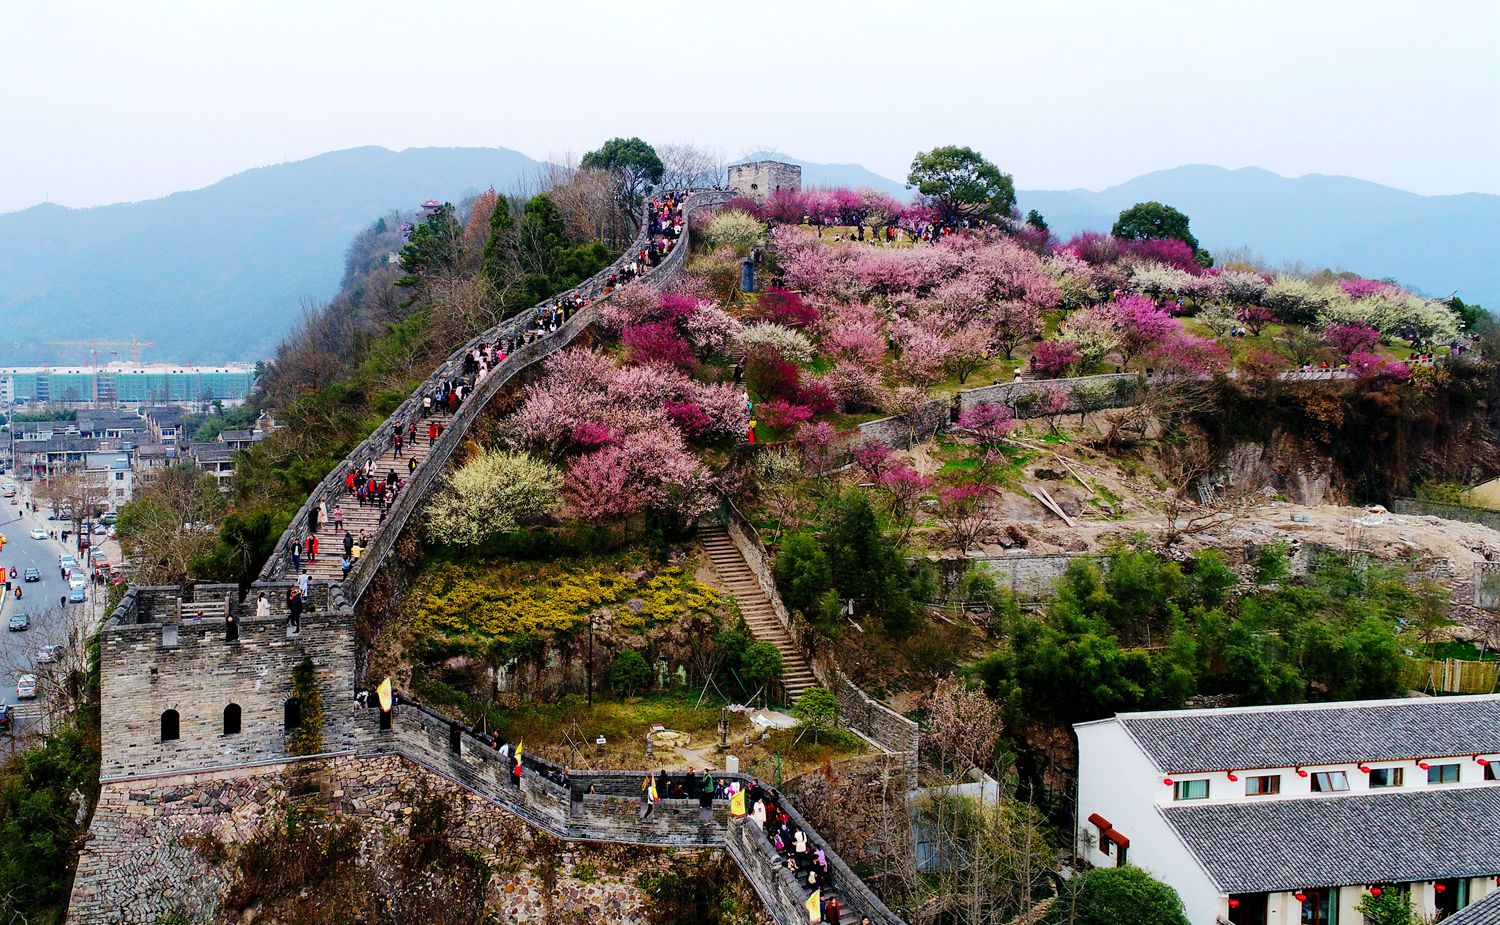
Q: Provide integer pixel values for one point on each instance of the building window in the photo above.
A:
(1262, 785)
(1321, 907)
(1191, 790)
(169, 726)
(232, 719)
(1442, 774)
(291, 714)
(1489, 771)
(1330, 782)
(1387, 777)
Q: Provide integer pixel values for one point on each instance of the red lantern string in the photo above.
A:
(1234, 904)
(1167, 781)
(1301, 896)
(1365, 768)
(1374, 891)
(1232, 776)
(1439, 887)
(1423, 765)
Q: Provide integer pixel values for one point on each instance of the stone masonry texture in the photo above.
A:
(145, 858)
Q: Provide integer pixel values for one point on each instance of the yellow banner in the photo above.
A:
(737, 804)
(815, 907)
(383, 694)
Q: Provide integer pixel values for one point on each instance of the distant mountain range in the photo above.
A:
(220, 273)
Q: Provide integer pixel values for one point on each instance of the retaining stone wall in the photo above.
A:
(141, 864)
(1032, 577)
(1115, 390)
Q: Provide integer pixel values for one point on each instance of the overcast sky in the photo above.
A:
(107, 101)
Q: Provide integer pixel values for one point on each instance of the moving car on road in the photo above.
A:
(26, 687)
(18, 622)
(46, 655)
(7, 719)
(37, 533)
(31, 574)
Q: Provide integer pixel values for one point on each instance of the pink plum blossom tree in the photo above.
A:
(1350, 339)
(1052, 359)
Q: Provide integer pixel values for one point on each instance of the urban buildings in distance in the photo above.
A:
(126, 383)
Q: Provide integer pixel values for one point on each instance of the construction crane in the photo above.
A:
(94, 354)
(94, 345)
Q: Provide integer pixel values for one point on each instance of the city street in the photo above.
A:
(51, 624)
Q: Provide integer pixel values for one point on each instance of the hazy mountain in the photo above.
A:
(217, 273)
(1436, 244)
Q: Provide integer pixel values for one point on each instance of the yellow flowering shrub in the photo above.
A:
(474, 606)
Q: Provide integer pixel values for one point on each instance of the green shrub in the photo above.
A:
(307, 738)
(760, 663)
(817, 709)
(1116, 896)
(629, 673)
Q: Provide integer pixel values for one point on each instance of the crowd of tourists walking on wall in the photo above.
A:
(366, 486)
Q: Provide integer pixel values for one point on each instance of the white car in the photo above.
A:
(26, 687)
(77, 579)
(37, 533)
(46, 655)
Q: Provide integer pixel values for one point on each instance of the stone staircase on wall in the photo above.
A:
(365, 518)
(736, 579)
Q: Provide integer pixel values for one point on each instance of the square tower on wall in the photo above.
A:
(759, 179)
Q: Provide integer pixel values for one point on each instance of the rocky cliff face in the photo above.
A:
(351, 839)
(1285, 465)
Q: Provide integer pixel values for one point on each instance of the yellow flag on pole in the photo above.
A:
(815, 907)
(383, 694)
(518, 752)
(653, 795)
(737, 804)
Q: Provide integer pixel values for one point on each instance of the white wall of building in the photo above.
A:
(1117, 781)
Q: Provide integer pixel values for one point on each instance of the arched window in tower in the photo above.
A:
(291, 713)
(232, 719)
(169, 725)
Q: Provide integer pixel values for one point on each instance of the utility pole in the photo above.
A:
(591, 661)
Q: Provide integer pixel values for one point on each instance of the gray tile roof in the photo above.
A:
(211, 452)
(1184, 741)
(1484, 912)
(1335, 841)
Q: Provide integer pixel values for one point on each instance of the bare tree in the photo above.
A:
(170, 523)
(693, 167)
(77, 497)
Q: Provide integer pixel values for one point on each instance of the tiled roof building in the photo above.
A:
(1289, 815)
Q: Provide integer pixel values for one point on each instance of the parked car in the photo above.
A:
(37, 533)
(18, 622)
(77, 595)
(26, 687)
(46, 655)
(66, 563)
(7, 719)
(101, 530)
(31, 574)
(77, 579)
(109, 518)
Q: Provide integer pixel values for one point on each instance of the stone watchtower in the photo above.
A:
(192, 679)
(760, 179)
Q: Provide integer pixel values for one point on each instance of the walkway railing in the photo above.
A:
(420, 482)
(612, 814)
